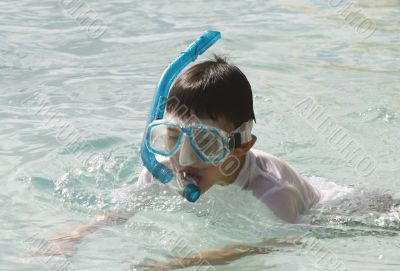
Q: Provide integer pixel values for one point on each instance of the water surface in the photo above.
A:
(74, 101)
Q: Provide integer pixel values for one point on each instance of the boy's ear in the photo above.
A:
(245, 147)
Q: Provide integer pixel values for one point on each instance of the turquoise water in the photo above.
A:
(75, 92)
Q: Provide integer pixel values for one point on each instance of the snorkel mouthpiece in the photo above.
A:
(188, 187)
(159, 171)
(191, 192)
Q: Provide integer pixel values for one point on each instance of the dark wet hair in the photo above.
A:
(212, 89)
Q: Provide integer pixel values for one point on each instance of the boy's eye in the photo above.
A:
(172, 134)
(202, 138)
(173, 138)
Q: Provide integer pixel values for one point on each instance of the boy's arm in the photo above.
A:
(286, 203)
(294, 195)
(309, 194)
(222, 256)
(65, 244)
(100, 221)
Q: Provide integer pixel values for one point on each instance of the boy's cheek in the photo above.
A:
(229, 166)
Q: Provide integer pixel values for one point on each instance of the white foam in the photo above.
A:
(329, 190)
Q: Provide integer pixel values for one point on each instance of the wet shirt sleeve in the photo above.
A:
(283, 189)
(288, 176)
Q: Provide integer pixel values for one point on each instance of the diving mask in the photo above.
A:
(209, 143)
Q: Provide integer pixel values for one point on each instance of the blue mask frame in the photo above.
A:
(158, 170)
(189, 134)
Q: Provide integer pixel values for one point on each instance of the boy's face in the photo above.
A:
(207, 174)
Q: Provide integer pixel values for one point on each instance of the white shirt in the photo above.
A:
(277, 184)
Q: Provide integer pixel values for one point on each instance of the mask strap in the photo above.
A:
(241, 135)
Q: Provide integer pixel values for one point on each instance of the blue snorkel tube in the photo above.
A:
(159, 171)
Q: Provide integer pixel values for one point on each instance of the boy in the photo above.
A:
(218, 96)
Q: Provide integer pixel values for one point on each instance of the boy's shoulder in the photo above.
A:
(285, 177)
(262, 155)
(267, 164)
(260, 167)
(267, 161)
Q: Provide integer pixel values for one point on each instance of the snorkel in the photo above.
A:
(159, 171)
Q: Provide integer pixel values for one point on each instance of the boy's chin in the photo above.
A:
(206, 185)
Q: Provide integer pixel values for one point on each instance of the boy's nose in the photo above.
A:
(187, 156)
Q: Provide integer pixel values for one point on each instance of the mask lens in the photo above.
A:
(164, 138)
(209, 143)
